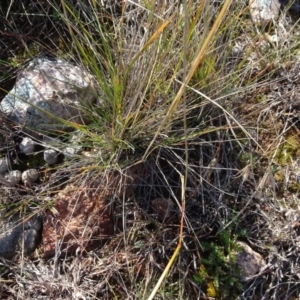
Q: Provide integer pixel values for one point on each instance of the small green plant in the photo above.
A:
(218, 272)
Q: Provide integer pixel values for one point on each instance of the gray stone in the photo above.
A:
(30, 176)
(75, 147)
(50, 156)
(47, 90)
(16, 235)
(249, 262)
(13, 177)
(27, 146)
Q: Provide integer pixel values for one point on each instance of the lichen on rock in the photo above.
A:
(49, 90)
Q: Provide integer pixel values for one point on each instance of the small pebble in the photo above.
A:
(27, 146)
(71, 152)
(50, 156)
(30, 176)
(4, 164)
(14, 177)
(237, 50)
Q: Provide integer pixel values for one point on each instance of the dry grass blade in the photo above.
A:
(194, 66)
(151, 40)
(179, 245)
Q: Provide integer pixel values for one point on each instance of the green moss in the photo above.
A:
(35, 161)
(32, 51)
(260, 98)
(218, 273)
(288, 150)
(294, 187)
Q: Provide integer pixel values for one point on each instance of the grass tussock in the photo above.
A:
(191, 147)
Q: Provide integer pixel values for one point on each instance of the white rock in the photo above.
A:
(50, 156)
(27, 146)
(4, 164)
(14, 177)
(71, 152)
(237, 50)
(48, 87)
(30, 176)
(264, 11)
